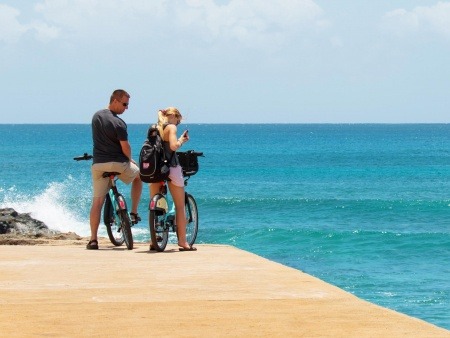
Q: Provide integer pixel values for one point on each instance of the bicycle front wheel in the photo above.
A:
(112, 228)
(125, 227)
(191, 219)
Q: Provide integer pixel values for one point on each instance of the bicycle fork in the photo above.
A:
(188, 207)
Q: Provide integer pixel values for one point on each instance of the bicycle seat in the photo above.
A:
(109, 173)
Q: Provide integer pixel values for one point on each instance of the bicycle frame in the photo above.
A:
(164, 204)
(162, 219)
(160, 204)
(115, 211)
(162, 215)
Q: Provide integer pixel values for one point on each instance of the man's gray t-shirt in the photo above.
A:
(107, 131)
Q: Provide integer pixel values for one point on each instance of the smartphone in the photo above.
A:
(186, 133)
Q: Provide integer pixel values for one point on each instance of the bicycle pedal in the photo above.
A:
(135, 218)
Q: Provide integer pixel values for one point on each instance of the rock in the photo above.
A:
(13, 222)
(22, 229)
(67, 236)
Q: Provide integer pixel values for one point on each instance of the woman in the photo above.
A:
(168, 119)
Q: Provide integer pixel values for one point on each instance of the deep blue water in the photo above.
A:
(364, 206)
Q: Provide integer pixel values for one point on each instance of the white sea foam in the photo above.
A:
(56, 206)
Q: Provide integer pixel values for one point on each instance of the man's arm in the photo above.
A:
(126, 149)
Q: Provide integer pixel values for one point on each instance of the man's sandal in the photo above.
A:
(92, 245)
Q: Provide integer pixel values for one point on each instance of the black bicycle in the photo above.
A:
(162, 219)
(115, 212)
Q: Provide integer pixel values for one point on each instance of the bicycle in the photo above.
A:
(115, 212)
(162, 219)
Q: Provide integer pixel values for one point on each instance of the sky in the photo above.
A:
(227, 61)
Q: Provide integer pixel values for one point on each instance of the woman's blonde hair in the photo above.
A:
(163, 117)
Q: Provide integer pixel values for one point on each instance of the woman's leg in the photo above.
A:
(178, 198)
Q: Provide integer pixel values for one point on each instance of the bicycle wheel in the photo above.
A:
(125, 227)
(113, 229)
(191, 219)
(159, 233)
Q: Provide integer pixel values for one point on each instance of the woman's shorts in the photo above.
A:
(176, 176)
(128, 172)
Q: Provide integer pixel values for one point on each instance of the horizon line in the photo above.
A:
(235, 123)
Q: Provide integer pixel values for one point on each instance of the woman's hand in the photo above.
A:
(184, 137)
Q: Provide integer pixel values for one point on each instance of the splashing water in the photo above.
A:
(54, 206)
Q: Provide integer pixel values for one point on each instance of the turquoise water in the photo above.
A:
(364, 207)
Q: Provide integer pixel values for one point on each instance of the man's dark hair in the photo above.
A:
(118, 94)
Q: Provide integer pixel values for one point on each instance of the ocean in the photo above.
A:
(362, 206)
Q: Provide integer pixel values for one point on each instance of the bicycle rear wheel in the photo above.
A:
(125, 222)
(158, 232)
(191, 219)
(112, 228)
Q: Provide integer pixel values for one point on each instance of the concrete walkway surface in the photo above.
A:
(217, 291)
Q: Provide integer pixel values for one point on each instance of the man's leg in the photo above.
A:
(136, 191)
(95, 214)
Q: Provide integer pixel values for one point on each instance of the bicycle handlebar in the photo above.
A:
(191, 152)
(85, 157)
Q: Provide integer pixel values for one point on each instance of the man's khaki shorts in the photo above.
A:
(128, 172)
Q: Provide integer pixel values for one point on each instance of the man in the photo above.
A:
(112, 152)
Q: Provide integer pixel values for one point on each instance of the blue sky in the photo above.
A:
(237, 61)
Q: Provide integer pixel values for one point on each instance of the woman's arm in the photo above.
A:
(174, 142)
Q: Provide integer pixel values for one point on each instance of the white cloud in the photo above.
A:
(44, 32)
(434, 19)
(251, 22)
(11, 30)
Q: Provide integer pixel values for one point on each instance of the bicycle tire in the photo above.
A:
(125, 223)
(159, 233)
(114, 230)
(191, 219)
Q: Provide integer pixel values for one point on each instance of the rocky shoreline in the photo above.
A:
(22, 229)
